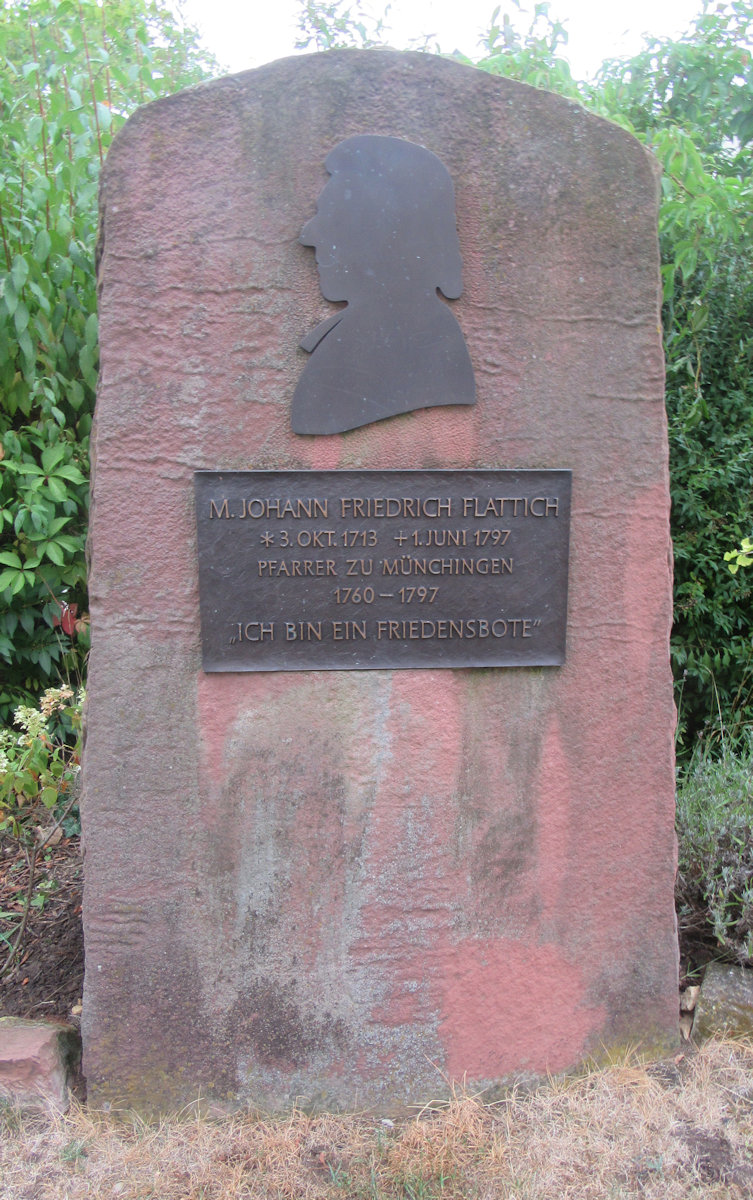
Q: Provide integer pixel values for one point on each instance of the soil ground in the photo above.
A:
(46, 976)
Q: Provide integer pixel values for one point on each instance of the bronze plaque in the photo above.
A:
(354, 570)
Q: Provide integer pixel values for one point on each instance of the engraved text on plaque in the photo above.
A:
(339, 570)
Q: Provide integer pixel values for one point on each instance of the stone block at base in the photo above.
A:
(36, 1061)
(725, 1003)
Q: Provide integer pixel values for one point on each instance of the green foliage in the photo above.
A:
(532, 56)
(70, 73)
(337, 25)
(39, 766)
(39, 769)
(740, 558)
(74, 1150)
(715, 850)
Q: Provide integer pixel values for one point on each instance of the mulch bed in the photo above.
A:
(46, 976)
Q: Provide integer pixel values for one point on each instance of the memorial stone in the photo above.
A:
(378, 781)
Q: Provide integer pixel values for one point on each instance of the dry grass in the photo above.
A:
(679, 1128)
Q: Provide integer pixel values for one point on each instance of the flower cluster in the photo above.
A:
(54, 700)
(32, 721)
(39, 765)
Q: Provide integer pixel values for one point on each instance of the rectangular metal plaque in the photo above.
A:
(352, 570)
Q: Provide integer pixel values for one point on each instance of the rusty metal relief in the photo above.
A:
(386, 244)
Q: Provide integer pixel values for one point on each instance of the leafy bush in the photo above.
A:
(741, 557)
(532, 56)
(39, 769)
(39, 766)
(70, 73)
(715, 841)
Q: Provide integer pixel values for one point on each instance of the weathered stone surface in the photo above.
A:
(348, 887)
(725, 1002)
(36, 1058)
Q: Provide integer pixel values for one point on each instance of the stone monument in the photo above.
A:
(378, 782)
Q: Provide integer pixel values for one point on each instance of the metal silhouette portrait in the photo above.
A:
(386, 243)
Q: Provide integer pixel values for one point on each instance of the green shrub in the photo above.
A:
(715, 852)
(709, 403)
(39, 766)
(70, 74)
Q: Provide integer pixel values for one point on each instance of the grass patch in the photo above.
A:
(715, 855)
(679, 1129)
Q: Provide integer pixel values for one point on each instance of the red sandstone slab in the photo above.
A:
(35, 1061)
(348, 887)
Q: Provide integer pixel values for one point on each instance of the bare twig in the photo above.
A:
(18, 939)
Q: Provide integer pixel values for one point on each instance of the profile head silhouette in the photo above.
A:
(386, 218)
(386, 243)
